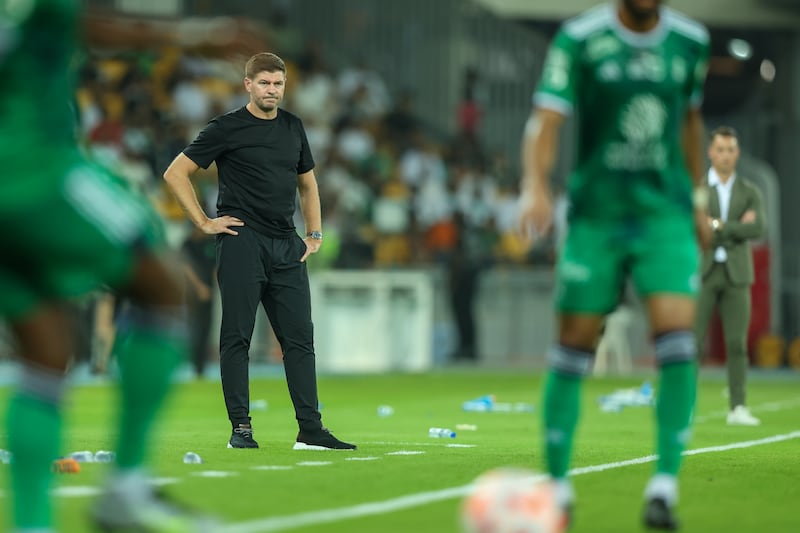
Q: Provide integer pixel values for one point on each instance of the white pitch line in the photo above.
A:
(745, 444)
(400, 443)
(214, 473)
(698, 451)
(280, 523)
(405, 452)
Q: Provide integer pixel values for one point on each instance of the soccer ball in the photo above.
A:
(511, 500)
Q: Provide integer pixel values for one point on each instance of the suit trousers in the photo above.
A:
(254, 269)
(732, 301)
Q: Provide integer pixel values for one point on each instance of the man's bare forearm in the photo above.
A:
(181, 186)
(310, 204)
(187, 198)
(539, 148)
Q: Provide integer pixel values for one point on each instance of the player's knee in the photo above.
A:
(581, 332)
(675, 347)
(570, 361)
(43, 383)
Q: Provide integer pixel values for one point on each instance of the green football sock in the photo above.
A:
(561, 409)
(676, 397)
(34, 439)
(147, 355)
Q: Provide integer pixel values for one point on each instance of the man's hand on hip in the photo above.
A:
(223, 224)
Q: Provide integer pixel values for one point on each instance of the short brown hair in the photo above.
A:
(264, 62)
(723, 131)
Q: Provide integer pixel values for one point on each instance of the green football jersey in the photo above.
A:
(630, 93)
(38, 41)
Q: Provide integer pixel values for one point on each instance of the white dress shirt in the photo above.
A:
(724, 194)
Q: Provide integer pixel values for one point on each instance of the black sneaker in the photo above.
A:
(322, 439)
(242, 437)
(659, 515)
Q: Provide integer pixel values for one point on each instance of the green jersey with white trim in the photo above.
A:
(38, 40)
(630, 93)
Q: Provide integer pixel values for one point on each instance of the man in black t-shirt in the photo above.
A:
(262, 158)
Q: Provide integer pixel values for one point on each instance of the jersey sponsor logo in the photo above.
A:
(575, 272)
(643, 119)
(642, 123)
(609, 71)
(602, 46)
(646, 67)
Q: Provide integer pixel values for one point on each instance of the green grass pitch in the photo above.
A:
(416, 483)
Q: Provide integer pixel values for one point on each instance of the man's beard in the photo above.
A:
(267, 107)
(641, 15)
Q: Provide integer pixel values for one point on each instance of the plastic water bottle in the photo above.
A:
(192, 458)
(646, 393)
(610, 404)
(82, 457)
(500, 407)
(104, 456)
(479, 405)
(441, 433)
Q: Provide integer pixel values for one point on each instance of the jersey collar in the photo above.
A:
(637, 39)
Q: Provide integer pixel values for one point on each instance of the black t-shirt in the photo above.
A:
(258, 162)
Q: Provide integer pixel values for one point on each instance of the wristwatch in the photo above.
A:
(316, 235)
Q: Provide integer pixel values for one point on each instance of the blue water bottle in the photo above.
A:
(441, 433)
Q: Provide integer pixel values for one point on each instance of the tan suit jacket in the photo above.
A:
(734, 234)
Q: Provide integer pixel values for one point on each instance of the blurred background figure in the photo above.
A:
(199, 256)
(85, 229)
(736, 216)
(638, 202)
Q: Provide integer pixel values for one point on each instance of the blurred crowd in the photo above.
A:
(394, 193)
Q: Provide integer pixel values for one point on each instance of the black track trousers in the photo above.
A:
(253, 268)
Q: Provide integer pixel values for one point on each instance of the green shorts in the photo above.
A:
(69, 237)
(660, 255)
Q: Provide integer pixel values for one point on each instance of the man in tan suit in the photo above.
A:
(736, 215)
